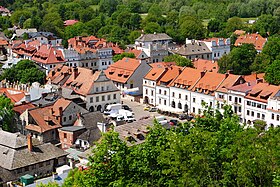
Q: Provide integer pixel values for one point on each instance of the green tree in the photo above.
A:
(192, 28)
(52, 22)
(121, 56)
(239, 60)
(6, 114)
(233, 24)
(180, 61)
(272, 74)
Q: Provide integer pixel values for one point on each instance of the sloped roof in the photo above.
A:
(13, 94)
(170, 74)
(188, 78)
(193, 49)
(70, 22)
(261, 91)
(153, 37)
(12, 140)
(23, 107)
(48, 55)
(206, 65)
(230, 81)
(122, 70)
(256, 39)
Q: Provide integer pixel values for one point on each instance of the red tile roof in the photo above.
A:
(158, 69)
(13, 94)
(256, 39)
(70, 22)
(254, 77)
(122, 70)
(239, 32)
(23, 107)
(208, 65)
(188, 78)
(169, 75)
(48, 55)
(262, 91)
(4, 42)
(230, 81)
(81, 84)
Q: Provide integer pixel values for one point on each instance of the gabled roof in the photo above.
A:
(12, 140)
(244, 88)
(23, 107)
(256, 39)
(153, 37)
(209, 82)
(188, 78)
(122, 70)
(262, 91)
(48, 55)
(230, 81)
(193, 49)
(13, 94)
(254, 77)
(206, 65)
(169, 75)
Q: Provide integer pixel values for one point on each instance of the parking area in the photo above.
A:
(139, 112)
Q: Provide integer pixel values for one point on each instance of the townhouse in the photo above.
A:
(251, 99)
(92, 87)
(90, 52)
(45, 38)
(127, 74)
(154, 45)
(210, 49)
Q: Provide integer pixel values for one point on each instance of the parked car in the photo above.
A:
(125, 107)
(162, 120)
(146, 108)
(185, 116)
(153, 109)
(173, 122)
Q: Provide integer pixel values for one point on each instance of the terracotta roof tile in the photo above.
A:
(170, 74)
(254, 77)
(70, 22)
(230, 81)
(23, 107)
(188, 78)
(48, 55)
(13, 94)
(256, 39)
(208, 65)
(122, 70)
(262, 91)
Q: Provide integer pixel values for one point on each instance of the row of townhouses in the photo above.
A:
(178, 89)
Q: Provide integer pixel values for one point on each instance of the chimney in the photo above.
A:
(29, 142)
(76, 73)
(60, 109)
(229, 72)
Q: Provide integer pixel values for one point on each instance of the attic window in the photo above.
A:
(153, 74)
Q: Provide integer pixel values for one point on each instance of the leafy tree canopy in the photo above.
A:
(180, 61)
(121, 56)
(6, 114)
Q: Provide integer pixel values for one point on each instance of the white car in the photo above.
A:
(161, 119)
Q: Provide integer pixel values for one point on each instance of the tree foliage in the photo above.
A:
(6, 114)
(24, 72)
(180, 61)
(215, 150)
(272, 74)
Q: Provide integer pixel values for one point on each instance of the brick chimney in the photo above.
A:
(76, 73)
(60, 115)
(202, 74)
(29, 142)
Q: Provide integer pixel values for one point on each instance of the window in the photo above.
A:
(193, 100)
(272, 116)
(248, 112)
(173, 94)
(91, 100)
(239, 109)
(164, 92)
(26, 168)
(179, 96)
(211, 104)
(164, 102)
(252, 113)
(115, 96)
(64, 135)
(258, 115)
(41, 164)
(109, 97)
(70, 117)
(152, 92)
(159, 91)
(159, 101)
(64, 119)
(235, 99)
(193, 109)
(96, 89)
(186, 97)
(254, 104)
(103, 97)
(108, 87)
(19, 170)
(263, 116)
(146, 91)
(249, 103)
(97, 99)
(102, 88)
(239, 100)
(229, 98)
(277, 117)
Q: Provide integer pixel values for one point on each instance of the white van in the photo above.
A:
(161, 119)
(113, 108)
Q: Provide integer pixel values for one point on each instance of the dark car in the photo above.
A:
(125, 107)
(185, 116)
(153, 109)
(173, 122)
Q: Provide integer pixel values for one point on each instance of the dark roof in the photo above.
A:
(41, 34)
(72, 128)
(153, 37)
(14, 152)
(89, 121)
(193, 49)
